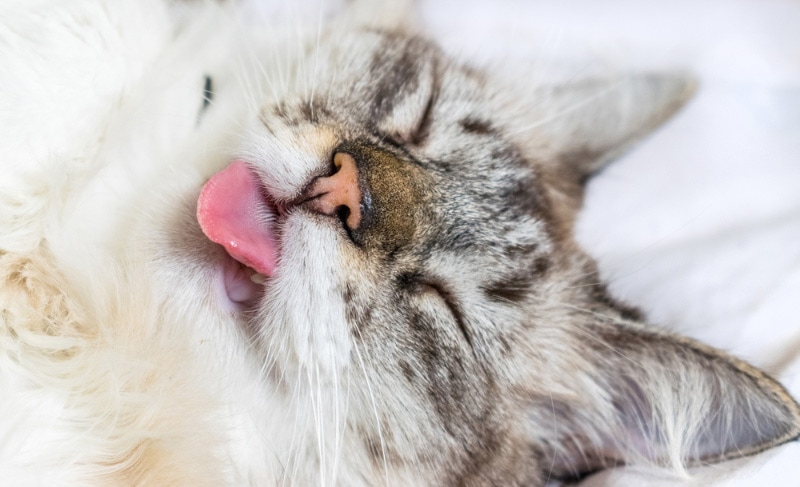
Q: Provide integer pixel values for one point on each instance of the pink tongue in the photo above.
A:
(233, 213)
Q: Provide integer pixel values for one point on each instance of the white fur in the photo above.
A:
(75, 164)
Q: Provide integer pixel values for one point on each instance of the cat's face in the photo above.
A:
(422, 304)
(412, 286)
(452, 230)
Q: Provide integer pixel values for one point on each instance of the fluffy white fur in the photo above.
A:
(66, 171)
(86, 399)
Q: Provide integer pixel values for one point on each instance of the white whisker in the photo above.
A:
(375, 411)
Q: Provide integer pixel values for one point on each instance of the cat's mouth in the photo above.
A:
(235, 212)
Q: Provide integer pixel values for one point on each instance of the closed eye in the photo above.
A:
(417, 136)
(447, 298)
(423, 128)
(208, 95)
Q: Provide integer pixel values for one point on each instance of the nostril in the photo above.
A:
(343, 213)
(338, 194)
(337, 163)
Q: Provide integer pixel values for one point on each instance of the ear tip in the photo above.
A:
(671, 90)
(794, 422)
(685, 86)
(783, 411)
(790, 406)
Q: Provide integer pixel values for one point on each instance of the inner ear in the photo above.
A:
(654, 398)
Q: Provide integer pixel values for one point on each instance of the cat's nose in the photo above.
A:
(338, 194)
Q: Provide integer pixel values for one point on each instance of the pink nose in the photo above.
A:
(339, 193)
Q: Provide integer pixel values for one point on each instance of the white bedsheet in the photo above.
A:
(700, 224)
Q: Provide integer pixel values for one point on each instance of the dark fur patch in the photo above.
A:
(541, 266)
(374, 450)
(347, 294)
(513, 289)
(519, 252)
(523, 196)
(447, 387)
(408, 371)
(505, 344)
(476, 126)
(506, 155)
(311, 111)
(446, 379)
(600, 294)
(357, 314)
(314, 110)
(394, 76)
(422, 131)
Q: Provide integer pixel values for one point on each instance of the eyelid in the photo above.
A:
(208, 92)
(422, 130)
(448, 299)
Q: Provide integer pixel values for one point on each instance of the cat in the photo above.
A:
(233, 255)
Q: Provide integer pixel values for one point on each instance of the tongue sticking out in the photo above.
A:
(232, 212)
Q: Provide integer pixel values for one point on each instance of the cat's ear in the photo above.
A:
(657, 398)
(583, 124)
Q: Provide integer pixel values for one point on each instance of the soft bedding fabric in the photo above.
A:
(700, 224)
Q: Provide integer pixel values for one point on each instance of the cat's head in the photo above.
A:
(408, 276)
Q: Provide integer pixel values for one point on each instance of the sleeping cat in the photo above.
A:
(233, 255)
